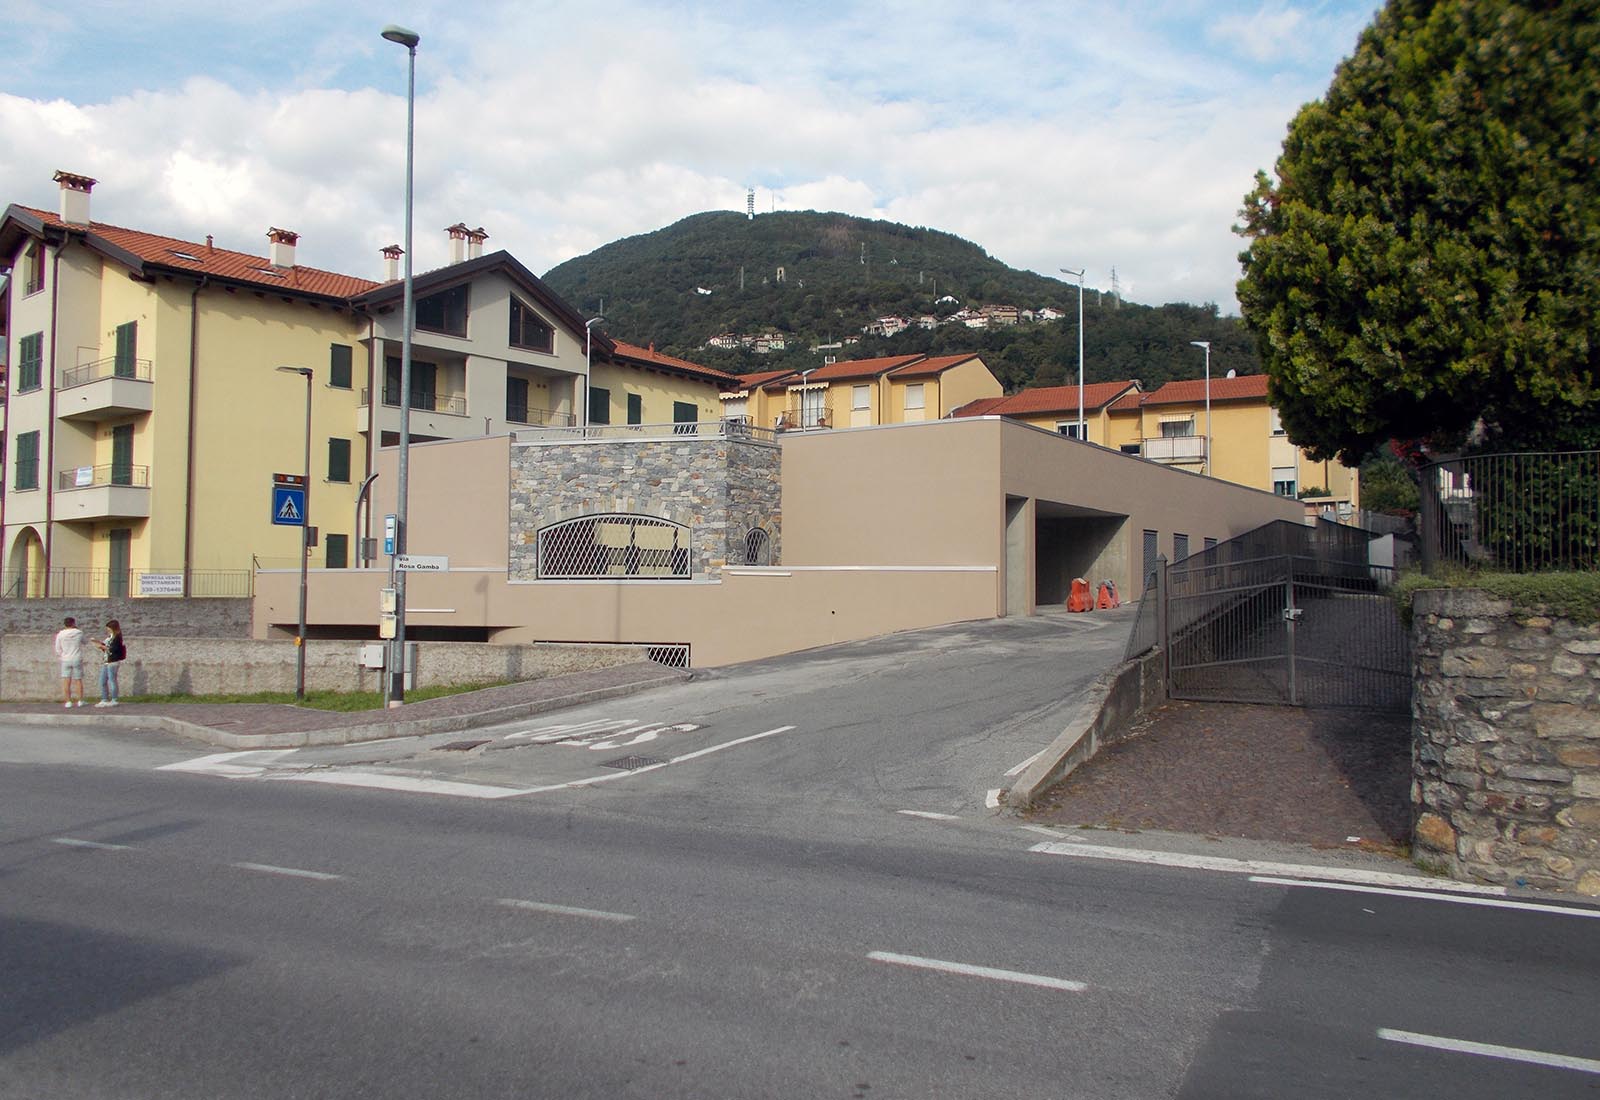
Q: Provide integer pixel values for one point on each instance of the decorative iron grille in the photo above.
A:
(606, 546)
(757, 547)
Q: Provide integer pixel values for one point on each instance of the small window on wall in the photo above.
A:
(914, 396)
(1151, 549)
(1131, 448)
(1284, 481)
(338, 460)
(25, 468)
(338, 551)
(635, 409)
(685, 414)
(1276, 421)
(599, 405)
(339, 366)
(1210, 542)
(1180, 547)
(1182, 428)
(860, 398)
(33, 268)
(30, 362)
(1068, 428)
(444, 312)
(528, 329)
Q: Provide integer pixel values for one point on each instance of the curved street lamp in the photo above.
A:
(1207, 345)
(1079, 274)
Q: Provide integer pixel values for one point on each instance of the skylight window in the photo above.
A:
(267, 271)
(184, 256)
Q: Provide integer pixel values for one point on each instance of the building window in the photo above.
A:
(1284, 481)
(635, 409)
(517, 400)
(1069, 428)
(1276, 421)
(1151, 543)
(1210, 543)
(813, 408)
(424, 385)
(444, 312)
(614, 546)
(30, 362)
(1131, 448)
(861, 398)
(757, 547)
(33, 268)
(338, 460)
(339, 356)
(1180, 547)
(338, 551)
(122, 365)
(599, 405)
(914, 396)
(528, 329)
(26, 464)
(685, 414)
(1177, 427)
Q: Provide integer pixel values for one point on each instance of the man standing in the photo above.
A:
(69, 651)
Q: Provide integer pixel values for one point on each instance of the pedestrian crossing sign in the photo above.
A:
(289, 505)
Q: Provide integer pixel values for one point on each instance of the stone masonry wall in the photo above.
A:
(717, 487)
(165, 616)
(1505, 743)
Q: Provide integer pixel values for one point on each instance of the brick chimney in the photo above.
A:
(475, 239)
(458, 241)
(280, 252)
(74, 197)
(391, 262)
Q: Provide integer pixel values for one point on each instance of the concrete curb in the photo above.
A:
(1118, 697)
(344, 735)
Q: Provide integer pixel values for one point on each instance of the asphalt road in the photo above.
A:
(176, 934)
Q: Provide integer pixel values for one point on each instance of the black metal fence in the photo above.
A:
(102, 583)
(1518, 513)
(1283, 614)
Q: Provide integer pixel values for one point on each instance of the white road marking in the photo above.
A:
(1491, 1050)
(992, 799)
(411, 783)
(929, 814)
(74, 842)
(1018, 976)
(290, 872)
(1020, 768)
(601, 734)
(596, 779)
(1426, 895)
(1260, 867)
(1041, 830)
(564, 910)
(229, 765)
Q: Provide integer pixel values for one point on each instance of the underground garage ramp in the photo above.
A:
(1071, 541)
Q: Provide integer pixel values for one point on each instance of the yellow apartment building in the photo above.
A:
(147, 415)
(1055, 408)
(747, 398)
(862, 393)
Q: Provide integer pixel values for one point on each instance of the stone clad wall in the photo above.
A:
(1506, 743)
(165, 616)
(717, 487)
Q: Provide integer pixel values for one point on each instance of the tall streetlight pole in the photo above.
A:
(305, 546)
(588, 360)
(1207, 345)
(1079, 274)
(397, 661)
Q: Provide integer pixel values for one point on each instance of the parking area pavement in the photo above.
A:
(1324, 776)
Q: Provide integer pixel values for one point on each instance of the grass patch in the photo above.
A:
(1574, 596)
(319, 700)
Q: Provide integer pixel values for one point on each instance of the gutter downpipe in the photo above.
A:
(189, 487)
(48, 471)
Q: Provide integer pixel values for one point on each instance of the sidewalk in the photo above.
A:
(281, 726)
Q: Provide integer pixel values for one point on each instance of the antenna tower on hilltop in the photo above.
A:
(1116, 290)
(750, 204)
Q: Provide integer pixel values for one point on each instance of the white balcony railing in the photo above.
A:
(1175, 448)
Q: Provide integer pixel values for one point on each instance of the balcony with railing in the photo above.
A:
(1190, 449)
(106, 389)
(543, 418)
(737, 427)
(114, 490)
(434, 415)
(422, 401)
(805, 419)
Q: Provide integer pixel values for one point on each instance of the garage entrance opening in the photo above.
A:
(1069, 542)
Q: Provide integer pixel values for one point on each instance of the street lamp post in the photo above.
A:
(1207, 345)
(1079, 274)
(305, 546)
(588, 360)
(397, 661)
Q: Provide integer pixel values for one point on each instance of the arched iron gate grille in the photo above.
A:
(606, 546)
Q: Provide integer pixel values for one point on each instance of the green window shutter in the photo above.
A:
(635, 409)
(338, 460)
(27, 463)
(685, 412)
(599, 405)
(339, 358)
(30, 359)
(338, 551)
(127, 349)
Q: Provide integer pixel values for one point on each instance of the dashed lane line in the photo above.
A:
(1432, 895)
(1020, 977)
(97, 845)
(1490, 1050)
(929, 814)
(287, 872)
(565, 910)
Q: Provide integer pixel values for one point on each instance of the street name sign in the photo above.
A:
(422, 563)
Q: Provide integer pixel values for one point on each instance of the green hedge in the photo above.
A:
(1574, 596)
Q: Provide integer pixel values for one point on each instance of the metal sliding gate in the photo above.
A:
(1315, 627)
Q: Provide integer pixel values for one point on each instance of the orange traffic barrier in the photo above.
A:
(1108, 596)
(1079, 599)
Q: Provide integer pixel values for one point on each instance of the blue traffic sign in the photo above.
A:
(289, 505)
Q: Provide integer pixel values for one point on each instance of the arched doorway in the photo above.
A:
(24, 571)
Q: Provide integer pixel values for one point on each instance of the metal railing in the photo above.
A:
(102, 583)
(110, 473)
(452, 404)
(1174, 448)
(734, 428)
(1519, 513)
(110, 367)
(522, 414)
(804, 420)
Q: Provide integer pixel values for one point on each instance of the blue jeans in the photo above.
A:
(108, 680)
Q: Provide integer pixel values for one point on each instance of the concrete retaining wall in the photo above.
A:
(197, 666)
(1505, 743)
(1109, 707)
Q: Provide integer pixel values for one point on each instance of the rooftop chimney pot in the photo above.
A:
(475, 239)
(391, 262)
(280, 252)
(74, 197)
(458, 241)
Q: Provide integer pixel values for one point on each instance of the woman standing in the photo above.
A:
(116, 652)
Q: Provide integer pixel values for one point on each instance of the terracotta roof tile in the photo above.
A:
(937, 364)
(1048, 399)
(1193, 391)
(221, 263)
(761, 378)
(651, 356)
(983, 406)
(1130, 400)
(861, 368)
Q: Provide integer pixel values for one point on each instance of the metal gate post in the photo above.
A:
(1162, 625)
(1291, 614)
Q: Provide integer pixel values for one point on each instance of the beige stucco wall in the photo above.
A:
(657, 391)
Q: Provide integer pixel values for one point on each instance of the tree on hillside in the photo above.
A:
(1428, 258)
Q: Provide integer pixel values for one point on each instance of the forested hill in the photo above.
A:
(817, 278)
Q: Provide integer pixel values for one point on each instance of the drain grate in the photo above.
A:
(461, 746)
(632, 763)
(674, 655)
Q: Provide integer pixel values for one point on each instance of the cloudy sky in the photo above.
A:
(1059, 134)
